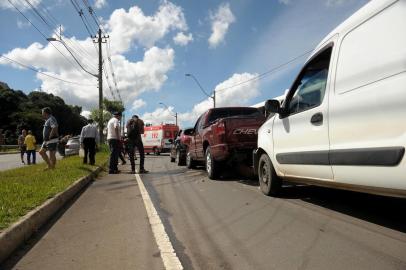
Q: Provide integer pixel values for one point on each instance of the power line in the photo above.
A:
(269, 72)
(41, 33)
(38, 71)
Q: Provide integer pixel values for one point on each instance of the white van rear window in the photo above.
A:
(374, 50)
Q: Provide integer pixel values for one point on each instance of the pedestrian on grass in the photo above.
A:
(21, 144)
(135, 128)
(113, 138)
(30, 144)
(89, 137)
(50, 138)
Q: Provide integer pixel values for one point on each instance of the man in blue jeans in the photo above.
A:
(113, 137)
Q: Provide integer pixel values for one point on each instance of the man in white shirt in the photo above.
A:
(89, 137)
(113, 138)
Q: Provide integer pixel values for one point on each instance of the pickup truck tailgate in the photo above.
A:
(242, 129)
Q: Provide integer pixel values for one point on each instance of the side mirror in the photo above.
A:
(272, 106)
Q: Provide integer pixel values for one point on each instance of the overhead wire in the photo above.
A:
(43, 73)
(267, 73)
(67, 59)
(73, 44)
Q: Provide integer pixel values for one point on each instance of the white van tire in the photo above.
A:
(269, 182)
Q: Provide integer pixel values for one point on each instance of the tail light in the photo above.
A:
(221, 131)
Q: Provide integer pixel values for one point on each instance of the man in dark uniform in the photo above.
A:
(135, 127)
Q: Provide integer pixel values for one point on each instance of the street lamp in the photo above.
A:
(98, 76)
(77, 61)
(174, 115)
(201, 88)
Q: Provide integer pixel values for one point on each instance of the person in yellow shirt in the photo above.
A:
(30, 142)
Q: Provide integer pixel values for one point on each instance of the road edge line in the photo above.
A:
(168, 254)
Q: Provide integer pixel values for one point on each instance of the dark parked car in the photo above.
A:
(180, 146)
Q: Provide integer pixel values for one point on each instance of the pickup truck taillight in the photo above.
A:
(221, 131)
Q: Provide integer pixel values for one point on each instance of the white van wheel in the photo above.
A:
(269, 182)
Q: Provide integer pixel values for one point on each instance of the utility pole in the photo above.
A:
(214, 99)
(176, 118)
(100, 39)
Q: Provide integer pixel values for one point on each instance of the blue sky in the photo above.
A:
(154, 43)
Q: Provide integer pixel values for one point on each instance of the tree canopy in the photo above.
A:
(20, 111)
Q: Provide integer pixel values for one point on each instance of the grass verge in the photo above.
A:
(23, 189)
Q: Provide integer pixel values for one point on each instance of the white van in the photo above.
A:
(343, 122)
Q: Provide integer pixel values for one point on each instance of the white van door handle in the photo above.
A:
(317, 119)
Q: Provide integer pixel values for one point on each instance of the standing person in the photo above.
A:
(21, 145)
(30, 142)
(135, 127)
(50, 137)
(113, 138)
(89, 137)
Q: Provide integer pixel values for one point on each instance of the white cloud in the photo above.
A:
(85, 114)
(220, 22)
(160, 115)
(138, 103)
(240, 95)
(182, 39)
(286, 2)
(133, 27)
(100, 3)
(21, 24)
(4, 4)
(133, 77)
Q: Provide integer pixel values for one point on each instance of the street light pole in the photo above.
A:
(99, 76)
(175, 115)
(201, 88)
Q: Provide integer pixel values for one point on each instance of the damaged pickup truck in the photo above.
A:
(224, 136)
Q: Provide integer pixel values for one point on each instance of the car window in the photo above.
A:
(309, 88)
(233, 112)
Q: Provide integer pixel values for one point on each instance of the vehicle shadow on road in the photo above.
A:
(381, 210)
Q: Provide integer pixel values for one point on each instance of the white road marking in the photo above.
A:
(168, 254)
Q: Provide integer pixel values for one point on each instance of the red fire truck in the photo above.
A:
(156, 138)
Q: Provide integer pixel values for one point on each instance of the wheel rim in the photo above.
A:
(264, 173)
(208, 162)
(188, 159)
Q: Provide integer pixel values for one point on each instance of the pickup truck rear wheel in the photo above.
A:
(212, 166)
(269, 181)
(190, 163)
(180, 158)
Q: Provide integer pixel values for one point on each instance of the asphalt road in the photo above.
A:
(229, 224)
(12, 161)
(223, 224)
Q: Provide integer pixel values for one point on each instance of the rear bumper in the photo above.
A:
(233, 153)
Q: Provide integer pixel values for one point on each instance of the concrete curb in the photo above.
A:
(21, 231)
(9, 153)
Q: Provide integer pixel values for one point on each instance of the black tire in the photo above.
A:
(156, 151)
(269, 181)
(211, 165)
(180, 159)
(172, 159)
(190, 163)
